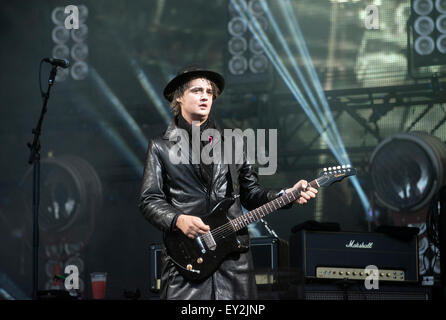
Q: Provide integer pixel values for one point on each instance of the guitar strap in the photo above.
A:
(232, 170)
(235, 182)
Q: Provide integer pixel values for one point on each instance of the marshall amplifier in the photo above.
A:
(269, 253)
(354, 256)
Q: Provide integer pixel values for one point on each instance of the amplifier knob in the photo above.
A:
(381, 274)
(355, 273)
(388, 275)
(341, 273)
(361, 273)
(347, 273)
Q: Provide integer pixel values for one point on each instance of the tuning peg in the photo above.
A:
(329, 168)
(343, 166)
(338, 167)
(348, 166)
(325, 169)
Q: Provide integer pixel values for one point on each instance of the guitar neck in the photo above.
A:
(260, 212)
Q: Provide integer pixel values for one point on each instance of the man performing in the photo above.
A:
(175, 196)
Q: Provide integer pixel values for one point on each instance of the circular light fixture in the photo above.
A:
(255, 8)
(424, 25)
(423, 7)
(58, 15)
(424, 45)
(407, 169)
(79, 70)
(441, 6)
(61, 205)
(237, 45)
(261, 20)
(83, 13)
(441, 23)
(237, 26)
(254, 46)
(441, 43)
(238, 65)
(258, 63)
(61, 51)
(79, 35)
(79, 52)
(60, 35)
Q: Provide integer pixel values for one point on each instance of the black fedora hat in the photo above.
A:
(189, 72)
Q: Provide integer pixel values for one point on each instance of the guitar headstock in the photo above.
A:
(331, 175)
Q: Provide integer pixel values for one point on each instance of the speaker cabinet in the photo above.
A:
(356, 291)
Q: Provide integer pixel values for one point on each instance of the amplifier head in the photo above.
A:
(354, 251)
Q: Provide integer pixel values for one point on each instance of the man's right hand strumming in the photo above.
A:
(191, 226)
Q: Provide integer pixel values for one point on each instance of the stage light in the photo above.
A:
(81, 34)
(83, 13)
(424, 45)
(79, 49)
(79, 70)
(60, 35)
(440, 5)
(238, 65)
(247, 67)
(424, 25)
(427, 29)
(423, 7)
(441, 43)
(255, 46)
(263, 22)
(237, 46)
(255, 8)
(407, 169)
(79, 52)
(58, 16)
(61, 51)
(237, 26)
(258, 63)
(441, 23)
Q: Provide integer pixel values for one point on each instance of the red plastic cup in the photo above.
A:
(98, 284)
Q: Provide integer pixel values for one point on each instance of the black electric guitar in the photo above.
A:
(196, 259)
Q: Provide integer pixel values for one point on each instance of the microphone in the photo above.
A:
(63, 63)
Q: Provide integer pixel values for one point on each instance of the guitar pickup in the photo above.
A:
(209, 241)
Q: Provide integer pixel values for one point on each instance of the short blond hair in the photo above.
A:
(179, 92)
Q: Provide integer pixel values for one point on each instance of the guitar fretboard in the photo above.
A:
(258, 213)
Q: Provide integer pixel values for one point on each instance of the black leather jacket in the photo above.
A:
(170, 189)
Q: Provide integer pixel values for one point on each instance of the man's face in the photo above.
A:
(196, 101)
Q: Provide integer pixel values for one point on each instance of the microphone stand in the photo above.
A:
(34, 159)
